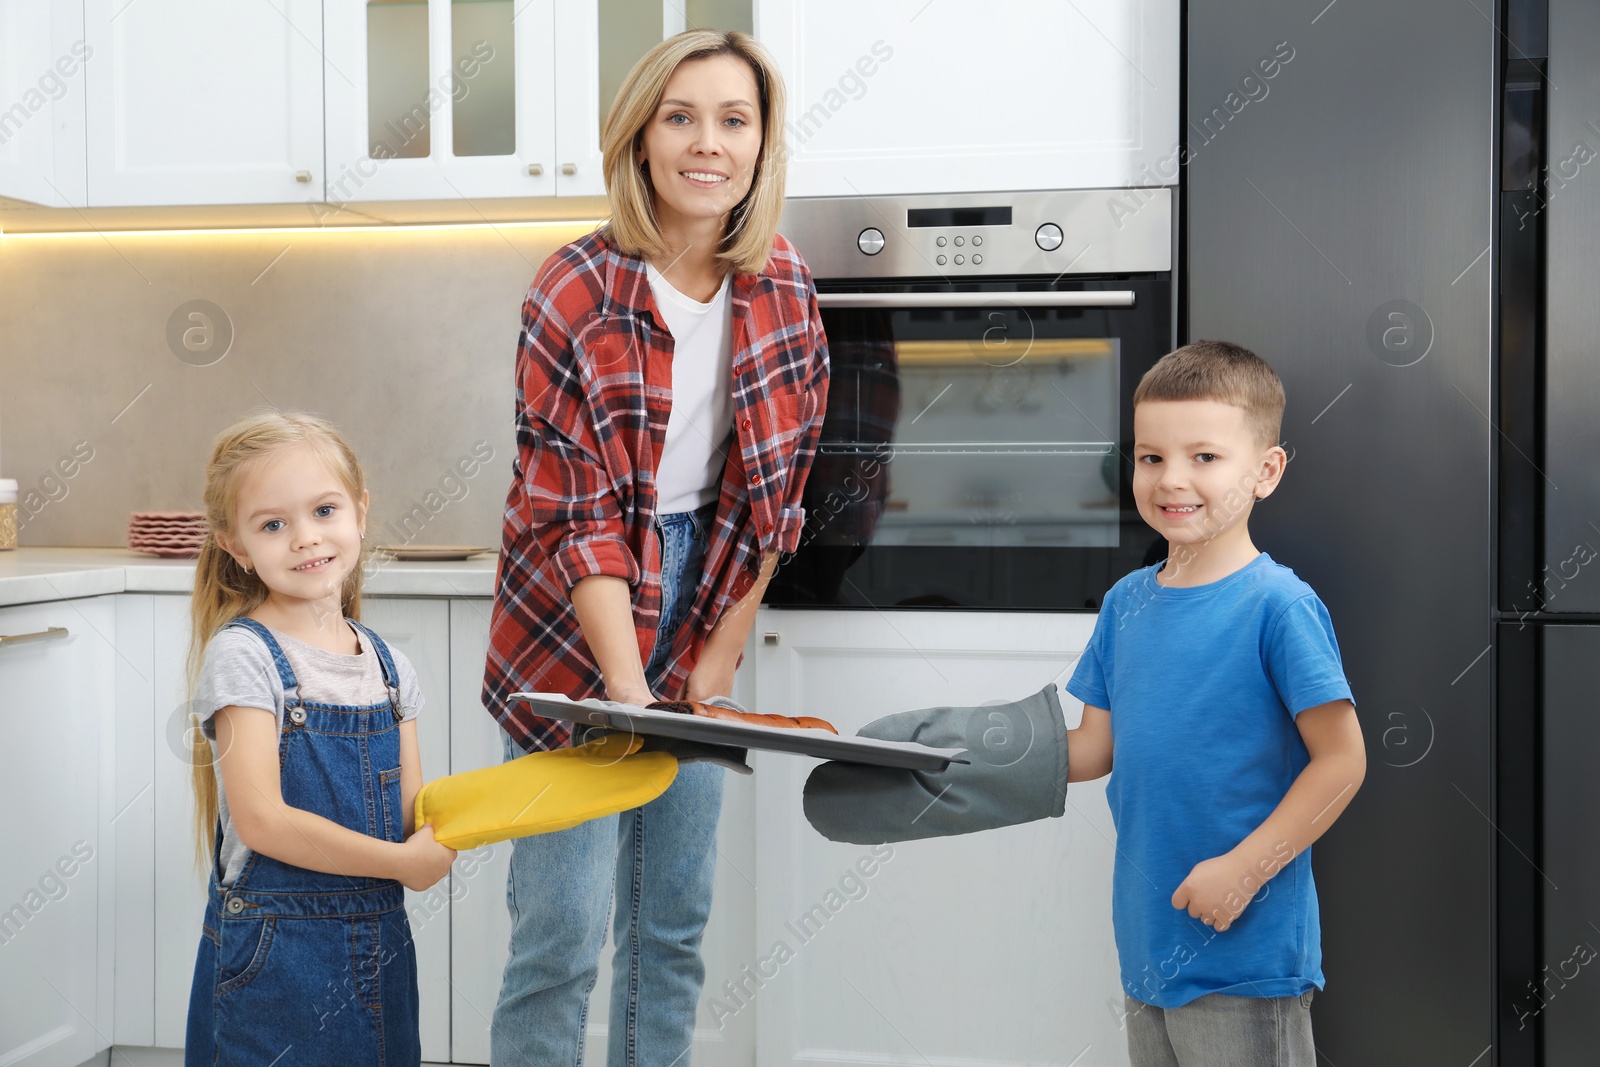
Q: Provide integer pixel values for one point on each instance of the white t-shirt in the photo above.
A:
(690, 472)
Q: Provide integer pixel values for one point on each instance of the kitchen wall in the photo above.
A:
(113, 381)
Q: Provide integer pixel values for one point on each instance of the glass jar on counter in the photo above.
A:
(8, 513)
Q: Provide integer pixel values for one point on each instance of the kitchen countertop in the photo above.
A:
(30, 575)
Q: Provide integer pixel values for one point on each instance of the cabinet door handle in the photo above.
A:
(48, 634)
(770, 637)
(535, 169)
(569, 169)
(302, 175)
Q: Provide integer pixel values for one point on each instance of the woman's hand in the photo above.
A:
(637, 695)
(711, 677)
(423, 860)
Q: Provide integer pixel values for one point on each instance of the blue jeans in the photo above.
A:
(656, 861)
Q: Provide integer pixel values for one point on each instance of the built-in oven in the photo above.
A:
(984, 350)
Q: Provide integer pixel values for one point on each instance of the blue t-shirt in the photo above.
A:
(1203, 684)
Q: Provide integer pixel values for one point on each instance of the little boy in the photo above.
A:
(1214, 697)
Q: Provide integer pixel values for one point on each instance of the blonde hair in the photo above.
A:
(747, 244)
(224, 590)
(1218, 370)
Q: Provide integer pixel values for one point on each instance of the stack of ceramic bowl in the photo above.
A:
(177, 534)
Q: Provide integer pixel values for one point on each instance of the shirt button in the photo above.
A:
(755, 479)
(767, 528)
(745, 424)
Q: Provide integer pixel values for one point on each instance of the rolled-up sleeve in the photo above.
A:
(814, 406)
(571, 505)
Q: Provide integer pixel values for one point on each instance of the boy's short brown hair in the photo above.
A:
(1218, 370)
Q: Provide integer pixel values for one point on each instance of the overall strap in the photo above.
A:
(391, 676)
(291, 685)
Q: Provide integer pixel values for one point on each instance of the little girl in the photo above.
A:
(308, 719)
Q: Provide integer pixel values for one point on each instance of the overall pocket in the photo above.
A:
(242, 947)
(394, 819)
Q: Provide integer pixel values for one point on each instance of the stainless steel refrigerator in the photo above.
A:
(1340, 202)
(1405, 219)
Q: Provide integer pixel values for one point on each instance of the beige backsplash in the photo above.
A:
(406, 339)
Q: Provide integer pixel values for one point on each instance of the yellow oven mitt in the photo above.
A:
(543, 791)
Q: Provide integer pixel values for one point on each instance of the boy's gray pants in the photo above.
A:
(1222, 1031)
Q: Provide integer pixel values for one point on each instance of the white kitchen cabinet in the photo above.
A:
(204, 102)
(420, 629)
(137, 737)
(904, 96)
(991, 948)
(442, 99)
(482, 927)
(179, 878)
(460, 99)
(56, 697)
(42, 59)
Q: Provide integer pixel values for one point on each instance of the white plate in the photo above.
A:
(906, 755)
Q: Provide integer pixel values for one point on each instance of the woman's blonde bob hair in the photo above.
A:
(754, 220)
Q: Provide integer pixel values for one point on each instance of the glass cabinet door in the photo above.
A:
(441, 99)
(618, 33)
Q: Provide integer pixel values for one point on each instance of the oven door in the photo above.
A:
(973, 452)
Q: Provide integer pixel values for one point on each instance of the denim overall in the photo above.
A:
(300, 967)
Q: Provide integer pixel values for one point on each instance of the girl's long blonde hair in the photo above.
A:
(747, 245)
(223, 590)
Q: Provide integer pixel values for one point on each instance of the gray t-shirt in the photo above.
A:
(238, 671)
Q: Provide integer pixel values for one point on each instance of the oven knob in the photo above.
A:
(1048, 237)
(871, 241)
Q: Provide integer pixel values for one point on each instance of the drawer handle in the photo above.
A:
(47, 634)
(302, 176)
(569, 169)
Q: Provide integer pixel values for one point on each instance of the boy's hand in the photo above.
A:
(1217, 890)
(425, 861)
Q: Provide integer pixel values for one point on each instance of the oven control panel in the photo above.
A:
(1079, 231)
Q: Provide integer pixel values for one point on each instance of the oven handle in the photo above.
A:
(1119, 298)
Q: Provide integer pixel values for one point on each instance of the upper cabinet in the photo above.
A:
(42, 54)
(204, 102)
(904, 96)
(453, 99)
(443, 99)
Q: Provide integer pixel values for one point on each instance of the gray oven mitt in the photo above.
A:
(729, 756)
(1017, 774)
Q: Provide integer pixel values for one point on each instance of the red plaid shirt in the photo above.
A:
(594, 389)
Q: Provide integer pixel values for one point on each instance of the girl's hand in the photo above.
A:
(1218, 890)
(423, 860)
(710, 678)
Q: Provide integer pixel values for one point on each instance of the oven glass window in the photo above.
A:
(999, 437)
(973, 456)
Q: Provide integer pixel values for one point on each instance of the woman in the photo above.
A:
(671, 382)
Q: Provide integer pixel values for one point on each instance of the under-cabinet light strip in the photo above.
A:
(381, 228)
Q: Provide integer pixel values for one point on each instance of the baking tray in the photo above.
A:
(820, 744)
